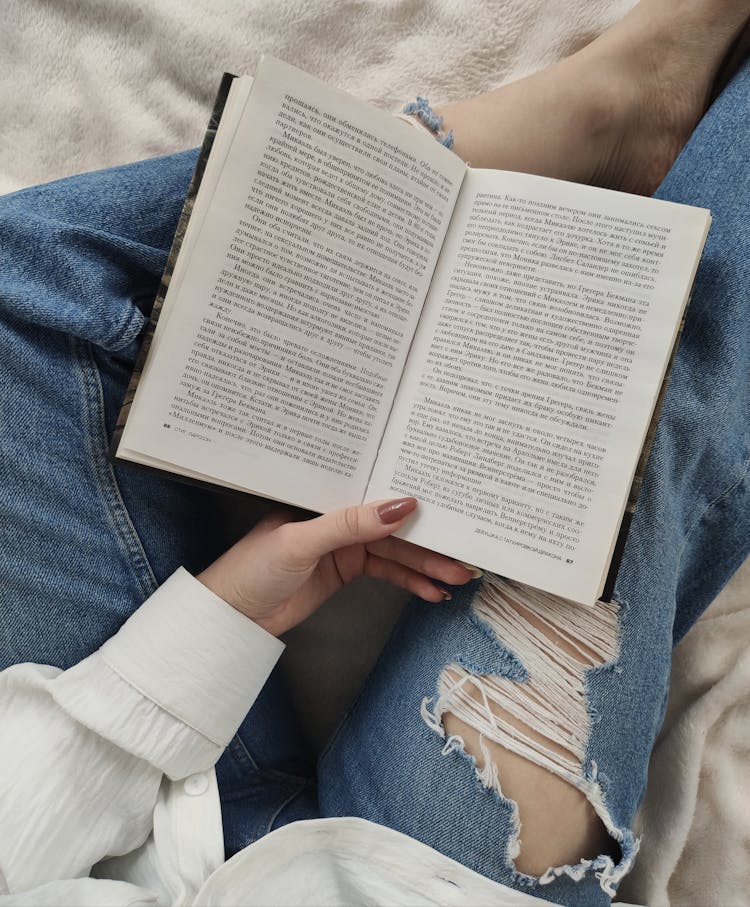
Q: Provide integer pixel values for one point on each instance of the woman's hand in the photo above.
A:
(284, 569)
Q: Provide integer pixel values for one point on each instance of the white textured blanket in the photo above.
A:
(91, 83)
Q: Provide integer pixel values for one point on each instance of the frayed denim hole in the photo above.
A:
(544, 716)
(488, 786)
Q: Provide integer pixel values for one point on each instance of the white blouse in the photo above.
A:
(108, 793)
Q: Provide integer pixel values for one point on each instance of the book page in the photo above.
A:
(232, 96)
(282, 352)
(534, 373)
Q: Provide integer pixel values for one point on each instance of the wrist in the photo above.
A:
(217, 578)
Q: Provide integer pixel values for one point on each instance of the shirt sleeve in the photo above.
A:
(84, 750)
(189, 653)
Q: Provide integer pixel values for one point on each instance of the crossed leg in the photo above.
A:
(386, 763)
(507, 730)
(654, 74)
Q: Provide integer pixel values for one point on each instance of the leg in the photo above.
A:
(617, 112)
(83, 542)
(578, 768)
(629, 119)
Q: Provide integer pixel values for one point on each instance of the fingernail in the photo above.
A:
(475, 572)
(446, 595)
(393, 511)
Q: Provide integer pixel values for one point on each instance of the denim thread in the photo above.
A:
(421, 109)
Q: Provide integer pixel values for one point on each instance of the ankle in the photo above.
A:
(661, 63)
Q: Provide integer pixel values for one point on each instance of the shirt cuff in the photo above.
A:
(187, 652)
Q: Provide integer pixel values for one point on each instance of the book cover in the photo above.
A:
(187, 209)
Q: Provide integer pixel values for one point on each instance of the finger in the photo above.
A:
(422, 560)
(405, 577)
(361, 524)
(272, 519)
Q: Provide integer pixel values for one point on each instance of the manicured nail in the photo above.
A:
(393, 511)
(475, 572)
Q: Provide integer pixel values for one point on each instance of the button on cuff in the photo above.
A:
(196, 785)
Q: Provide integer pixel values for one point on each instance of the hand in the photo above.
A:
(285, 568)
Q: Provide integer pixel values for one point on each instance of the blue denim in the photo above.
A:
(690, 532)
(83, 542)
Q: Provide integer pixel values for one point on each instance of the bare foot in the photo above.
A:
(670, 53)
(738, 53)
(618, 112)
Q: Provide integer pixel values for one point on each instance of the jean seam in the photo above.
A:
(284, 803)
(238, 750)
(238, 788)
(741, 478)
(124, 532)
(128, 331)
(245, 754)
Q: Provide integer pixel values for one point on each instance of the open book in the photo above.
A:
(351, 313)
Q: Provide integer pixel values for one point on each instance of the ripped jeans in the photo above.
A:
(588, 711)
(581, 693)
(83, 542)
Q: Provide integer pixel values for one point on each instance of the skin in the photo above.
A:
(615, 114)
(285, 568)
(654, 74)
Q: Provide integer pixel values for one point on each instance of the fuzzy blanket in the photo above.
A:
(86, 84)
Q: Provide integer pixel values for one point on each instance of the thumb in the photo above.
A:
(350, 526)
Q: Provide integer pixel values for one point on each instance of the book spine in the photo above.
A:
(640, 471)
(187, 208)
